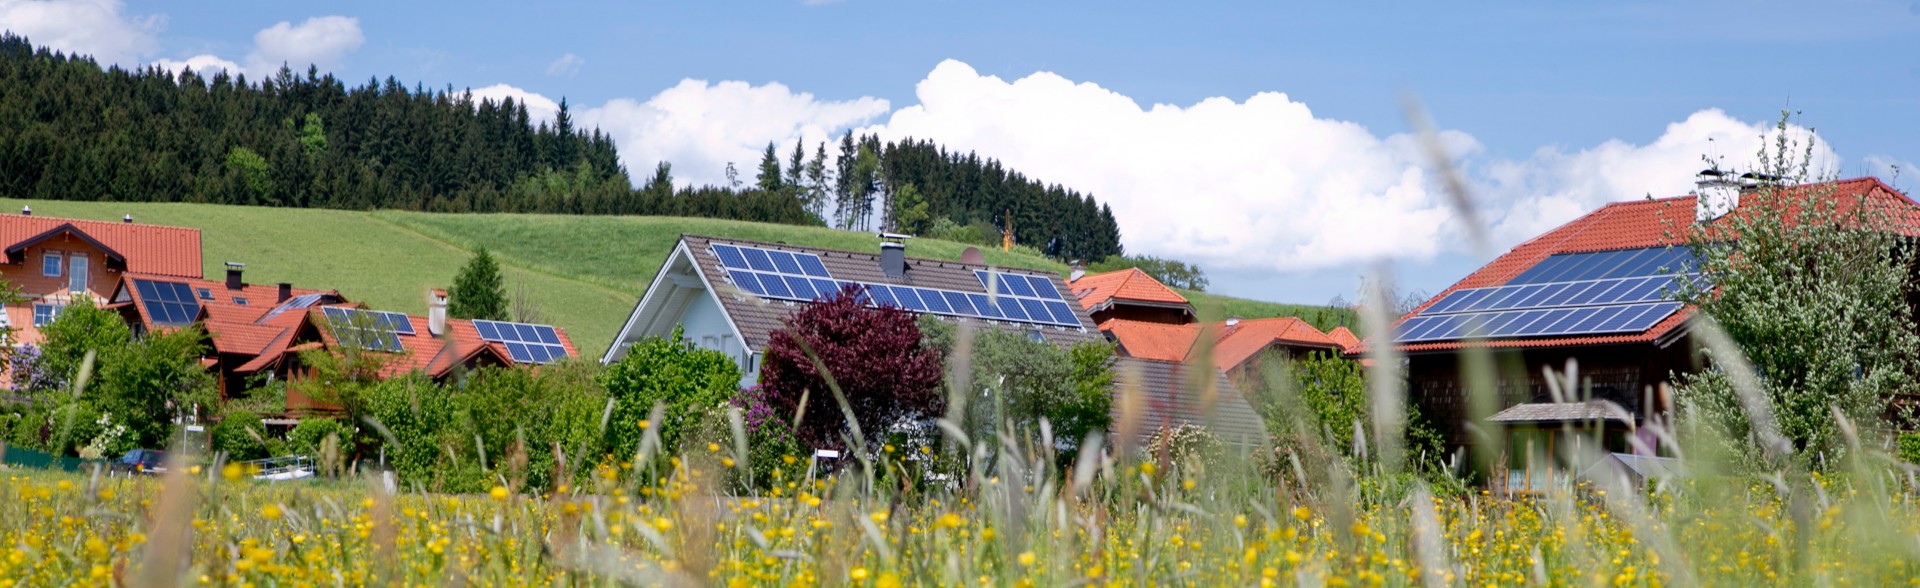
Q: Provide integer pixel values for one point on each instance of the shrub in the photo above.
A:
(874, 356)
(138, 381)
(1186, 446)
(1015, 381)
(80, 327)
(1910, 447)
(241, 436)
(307, 437)
(670, 371)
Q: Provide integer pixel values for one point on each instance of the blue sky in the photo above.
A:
(1279, 161)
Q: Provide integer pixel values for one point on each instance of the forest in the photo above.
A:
(77, 131)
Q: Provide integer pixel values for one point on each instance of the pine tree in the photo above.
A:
(769, 179)
(796, 171)
(817, 183)
(478, 291)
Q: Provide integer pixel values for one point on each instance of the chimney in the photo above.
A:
(1717, 192)
(893, 255)
(436, 311)
(233, 275)
(1233, 321)
(26, 210)
(286, 291)
(127, 219)
(1079, 271)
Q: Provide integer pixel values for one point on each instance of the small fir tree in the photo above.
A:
(478, 291)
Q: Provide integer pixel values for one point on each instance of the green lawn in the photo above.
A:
(585, 272)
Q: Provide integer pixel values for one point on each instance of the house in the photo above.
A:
(55, 261)
(1599, 290)
(241, 320)
(1157, 394)
(434, 345)
(1237, 347)
(730, 295)
(1130, 294)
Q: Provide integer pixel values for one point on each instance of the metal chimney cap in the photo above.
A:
(895, 236)
(235, 265)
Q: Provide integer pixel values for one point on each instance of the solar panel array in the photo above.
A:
(1623, 291)
(294, 303)
(168, 303)
(786, 275)
(372, 329)
(525, 343)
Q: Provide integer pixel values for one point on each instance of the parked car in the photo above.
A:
(141, 462)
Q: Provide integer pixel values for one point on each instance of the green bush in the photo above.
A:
(1016, 380)
(241, 436)
(1910, 447)
(670, 371)
(307, 437)
(78, 328)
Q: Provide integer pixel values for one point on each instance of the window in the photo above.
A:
(238, 300)
(44, 313)
(204, 293)
(77, 273)
(50, 265)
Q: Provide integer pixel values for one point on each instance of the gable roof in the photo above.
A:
(756, 318)
(1634, 225)
(1231, 345)
(142, 248)
(1348, 341)
(435, 356)
(1168, 394)
(1099, 291)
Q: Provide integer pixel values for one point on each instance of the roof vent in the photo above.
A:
(893, 255)
(26, 210)
(1717, 191)
(127, 219)
(233, 275)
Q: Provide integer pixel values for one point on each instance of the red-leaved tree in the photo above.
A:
(873, 354)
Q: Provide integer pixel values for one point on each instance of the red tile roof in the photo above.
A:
(1096, 290)
(1638, 224)
(1232, 346)
(438, 356)
(1345, 338)
(149, 249)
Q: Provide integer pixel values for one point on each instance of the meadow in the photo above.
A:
(1133, 520)
(585, 272)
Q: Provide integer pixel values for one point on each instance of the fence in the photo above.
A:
(28, 458)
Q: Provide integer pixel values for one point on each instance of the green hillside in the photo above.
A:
(585, 272)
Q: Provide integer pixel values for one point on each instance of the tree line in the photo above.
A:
(917, 187)
(76, 131)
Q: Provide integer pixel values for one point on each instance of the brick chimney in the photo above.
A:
(436, 311)
(233, 275)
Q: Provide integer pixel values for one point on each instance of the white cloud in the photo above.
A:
(700, 127)
(92, 27)
(203, 65)
(1552, 186)
(566, 65)
(1256, 184)
(321, 41)
(539, 108)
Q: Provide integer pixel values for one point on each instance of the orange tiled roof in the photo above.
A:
(1096, 290)
(149, 249)
(1638, 224)
(1345, 338)
(1157, 341)
(438, 356)
(1236, 344)
(1232, 346)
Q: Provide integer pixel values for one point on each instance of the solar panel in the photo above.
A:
(525, 343)
(1601, 265)
(168, 303)
(803, 277)
(1592, 320)
(371, 330)
(1566, 294)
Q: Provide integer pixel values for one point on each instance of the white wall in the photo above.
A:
(707, 328)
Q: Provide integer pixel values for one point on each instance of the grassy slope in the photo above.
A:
(587, 272)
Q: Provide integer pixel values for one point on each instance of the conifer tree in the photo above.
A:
(478, 291)
(769, 177)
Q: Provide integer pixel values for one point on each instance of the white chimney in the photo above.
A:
(436, 312)
(1716, 194)
(1079, 271)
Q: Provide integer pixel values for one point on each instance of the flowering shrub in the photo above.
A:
(874, 356)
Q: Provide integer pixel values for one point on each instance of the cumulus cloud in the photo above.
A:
(321, 41)
(204, 65)
(539, 108)
(99, 28)
(566, 65)
(701, 127)
(1554, 186)
(1257, 183)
